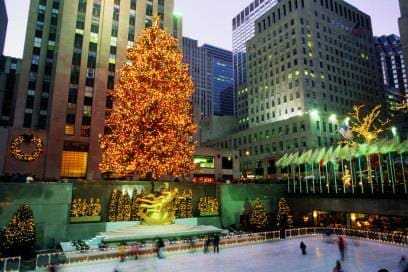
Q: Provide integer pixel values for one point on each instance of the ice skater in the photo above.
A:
(160, 248)
(403, 264)
(302, 248)
(337, 268)
(342, 247)
(216, 243)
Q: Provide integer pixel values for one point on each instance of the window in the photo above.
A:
(74, 164)
(227, 163)
(204, 161)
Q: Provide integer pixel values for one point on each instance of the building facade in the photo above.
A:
(72, 52)
(403, 26)
(308, 64)
(211, 70)
(3, 25)
(9, 73)
(393, 69)
(243, 29)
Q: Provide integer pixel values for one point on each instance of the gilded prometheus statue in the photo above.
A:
(158, 210)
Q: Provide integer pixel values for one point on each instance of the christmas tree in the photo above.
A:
(124, 208)
(150, 129)
(135, 205)
(113, 205)
(19, 236)
(258, 218)
(284, 219)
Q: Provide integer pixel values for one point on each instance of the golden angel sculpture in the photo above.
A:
(158, 210)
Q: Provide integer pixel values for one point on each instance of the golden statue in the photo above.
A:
(158, 210)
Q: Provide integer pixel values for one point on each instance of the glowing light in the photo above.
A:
(353, 217)
(314, 214)
(394, 131)
(333, 118)
(314, 114)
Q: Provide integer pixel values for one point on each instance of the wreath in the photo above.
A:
(18, 154)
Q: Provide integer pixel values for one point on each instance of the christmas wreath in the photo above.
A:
(18, 154)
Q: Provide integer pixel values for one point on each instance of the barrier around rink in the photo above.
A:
(149, 249)
(389, 238)
(10, 264)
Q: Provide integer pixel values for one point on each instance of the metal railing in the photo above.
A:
(390, 238)
(148, 249)
(10, 264)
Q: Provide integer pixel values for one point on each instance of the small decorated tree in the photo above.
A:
(19, 235)
(113, 205)
(259, 217)
(124, 207)
(135, 205)
(284, 219)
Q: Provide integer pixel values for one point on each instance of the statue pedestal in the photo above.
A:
(144, 232)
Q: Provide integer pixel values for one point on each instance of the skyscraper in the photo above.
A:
(3, 25)
(393, 68)
(9, 73)
(72, 52)
(211, 70)
(243, 29)
(308, 64)
(403, 26)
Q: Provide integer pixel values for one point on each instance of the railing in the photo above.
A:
(10, 264)
(149, 249)
(390, 238)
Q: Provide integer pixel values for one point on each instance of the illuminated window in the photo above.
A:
(74, 164)
(204, 161)
(69, 129)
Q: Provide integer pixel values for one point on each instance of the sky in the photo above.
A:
(208, 21)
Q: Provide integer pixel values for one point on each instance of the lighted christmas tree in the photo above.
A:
(124, 207)
(284, 219)
(19, 236)
(113, 205)
(150, 129)
(258, 218)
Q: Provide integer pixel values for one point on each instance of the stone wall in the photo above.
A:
(50, 204)
(236, 197)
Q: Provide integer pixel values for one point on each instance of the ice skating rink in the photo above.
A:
(278, 256)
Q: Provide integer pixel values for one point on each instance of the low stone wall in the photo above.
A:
(235, 198)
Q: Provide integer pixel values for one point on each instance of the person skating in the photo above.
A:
(403, 264)
(337, 268)
(342, 247)
(302, 248)
(216, 243)
(160, 248)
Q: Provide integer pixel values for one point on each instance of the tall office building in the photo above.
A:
(308, 64)
(393, 68)
(3, 25)
(72, 52)
(9, 73)
(211, 70)
(403, 26)
(243, 29)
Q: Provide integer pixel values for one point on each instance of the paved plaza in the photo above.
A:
(278, 256)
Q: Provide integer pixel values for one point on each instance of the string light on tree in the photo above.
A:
(19, 235)
(151, 126)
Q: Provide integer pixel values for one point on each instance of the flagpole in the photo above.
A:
(403, 173)
(381, 173)
(313, 177)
